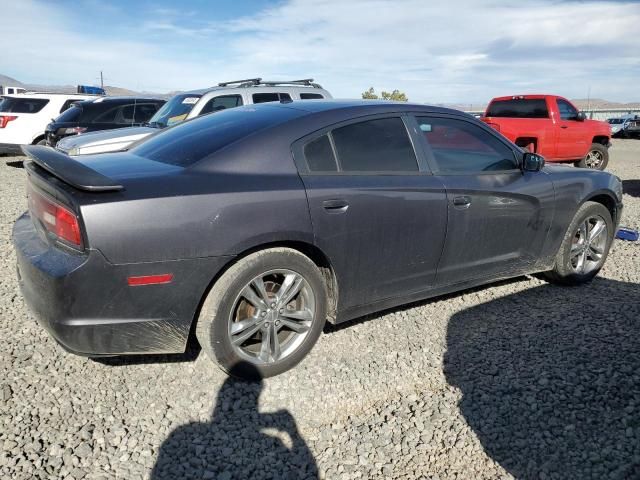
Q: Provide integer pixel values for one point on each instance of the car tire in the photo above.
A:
(596, 159)
(567, 269)
(226, 308)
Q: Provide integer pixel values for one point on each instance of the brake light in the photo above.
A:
(56, 219)
(5, 119)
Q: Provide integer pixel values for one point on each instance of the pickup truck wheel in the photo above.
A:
(597, 158)
(585, 246)
(264, 314)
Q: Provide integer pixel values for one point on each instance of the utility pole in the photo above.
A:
(101, 80)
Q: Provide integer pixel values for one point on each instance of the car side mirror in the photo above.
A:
(581, 117)
(532, 162)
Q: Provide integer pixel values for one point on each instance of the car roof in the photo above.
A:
(369, 106)
(122, 99)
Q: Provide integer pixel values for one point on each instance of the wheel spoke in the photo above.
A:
(597, 249)
(245, 331)
(289, 288)
(253, 298)
(583, 261)
(597, 230)
(270, 346)
(258, 285)
(298, 327)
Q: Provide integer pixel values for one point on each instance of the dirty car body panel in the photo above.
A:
(179, 209)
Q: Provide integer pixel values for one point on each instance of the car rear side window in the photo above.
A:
(459, 147)
(22, 105)
(270, 97)
(144, 112)
(72, 114)
(66, 105)
(519, 108)
(380, 145)
(186, 143)
(319, 155)
(310, 96)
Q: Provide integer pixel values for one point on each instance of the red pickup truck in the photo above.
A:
(551, 126)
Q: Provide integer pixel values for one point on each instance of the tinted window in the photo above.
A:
(615, 121)
(567, 111)
(188, 142)
(310, 96)
(22, 105)
(265, 97)
(71, 114)
(375, 146)
(285, 97)
(109, 116)
(461, 147)
(519, 108)
(319, 155)
(221, 103)
(144, 112)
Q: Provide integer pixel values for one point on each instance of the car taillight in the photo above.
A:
(56, 219)
(5, 119)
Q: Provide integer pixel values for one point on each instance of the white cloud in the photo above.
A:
(460, 51)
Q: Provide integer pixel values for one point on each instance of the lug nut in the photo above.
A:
(263, 314)
(266, 324)
(273, 305)
(282, 310)
(277, 323)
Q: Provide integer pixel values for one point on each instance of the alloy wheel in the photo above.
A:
(589, 245)
(594, 159)
(271, 316)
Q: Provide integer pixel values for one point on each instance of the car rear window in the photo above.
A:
(22, 105)
(70, 115)
(519, 108)
(194, 140)
(310, 96)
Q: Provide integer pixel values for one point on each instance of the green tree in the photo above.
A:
(396, 95)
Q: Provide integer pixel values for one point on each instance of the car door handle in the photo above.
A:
(462, 202)
(337, 205)
(564, 126)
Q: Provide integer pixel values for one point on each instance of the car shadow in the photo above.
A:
(190, 354)
(550, 379)
(631, 187)
(239, 442)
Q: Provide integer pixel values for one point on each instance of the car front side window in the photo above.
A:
(567, 111)
(460, 147)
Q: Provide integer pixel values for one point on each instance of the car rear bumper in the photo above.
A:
(10, 148)
(86, 304)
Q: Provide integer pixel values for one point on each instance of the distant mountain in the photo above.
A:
(5, 80)
(114, 91)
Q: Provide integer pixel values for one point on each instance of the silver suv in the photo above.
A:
(192, 104)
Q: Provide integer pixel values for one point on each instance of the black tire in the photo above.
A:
(596, 150)
(564, 272)
(213, 326)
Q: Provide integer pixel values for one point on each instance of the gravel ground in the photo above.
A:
(519, 379)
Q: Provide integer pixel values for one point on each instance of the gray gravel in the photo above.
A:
(518, 379)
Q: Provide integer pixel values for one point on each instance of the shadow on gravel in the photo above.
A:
(631, 187)
(550, 379)
(16, 164)
(239, 442)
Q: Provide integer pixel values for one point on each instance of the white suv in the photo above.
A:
(185, 106)
(24, 117)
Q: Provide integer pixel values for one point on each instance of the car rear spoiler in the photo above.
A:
(68, 170)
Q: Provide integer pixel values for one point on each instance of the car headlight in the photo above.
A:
(73, 151)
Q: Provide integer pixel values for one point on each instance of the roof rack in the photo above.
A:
(244, 83)
(251, 82)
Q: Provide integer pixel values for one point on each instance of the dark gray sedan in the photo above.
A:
(253, 226)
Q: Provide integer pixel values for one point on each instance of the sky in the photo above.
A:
(435, 51)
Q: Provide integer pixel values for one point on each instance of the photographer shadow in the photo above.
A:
(239, 442)
(550, 379)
